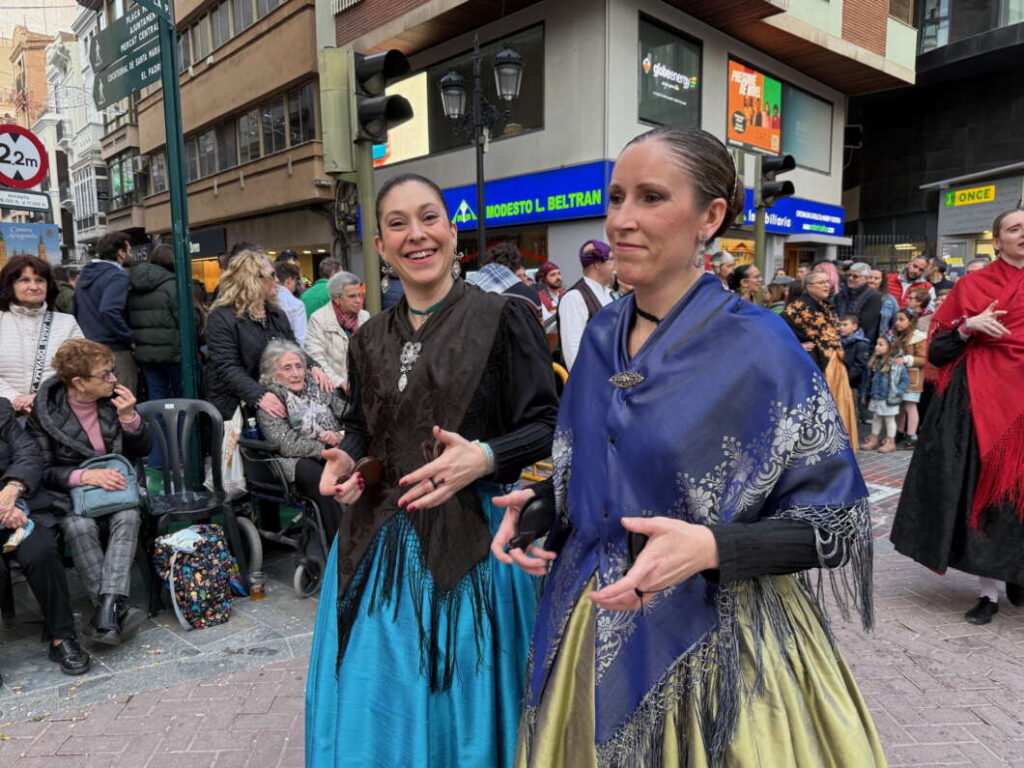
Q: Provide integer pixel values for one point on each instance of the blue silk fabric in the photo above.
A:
(732, 423)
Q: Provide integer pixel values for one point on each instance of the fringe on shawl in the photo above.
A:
(397, 547)
(709, 673)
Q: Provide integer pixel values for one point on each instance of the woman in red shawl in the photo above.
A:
(963, 499)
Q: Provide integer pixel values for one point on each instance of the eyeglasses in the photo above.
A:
(107, 375)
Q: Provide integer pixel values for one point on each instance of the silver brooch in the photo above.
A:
(410, 354)
(626, 379)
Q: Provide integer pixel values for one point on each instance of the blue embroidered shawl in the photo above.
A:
(731, 422)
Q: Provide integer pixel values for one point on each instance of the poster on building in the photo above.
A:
(42, 240)
(669, 77)
(410, 139)
(754, 109)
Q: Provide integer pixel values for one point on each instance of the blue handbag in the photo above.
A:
(93, 501)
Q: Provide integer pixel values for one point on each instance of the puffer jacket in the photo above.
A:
(291, 444)
(65, 445)
(20, 459)
(153, 314)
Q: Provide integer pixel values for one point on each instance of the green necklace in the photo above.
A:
(433, 307)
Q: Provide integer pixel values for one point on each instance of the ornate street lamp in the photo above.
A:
(508, 74)
(453, 95)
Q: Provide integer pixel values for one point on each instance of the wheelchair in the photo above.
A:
(304, 533)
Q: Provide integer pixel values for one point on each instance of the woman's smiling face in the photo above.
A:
(416, 238)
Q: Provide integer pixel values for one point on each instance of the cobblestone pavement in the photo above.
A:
(943, 692)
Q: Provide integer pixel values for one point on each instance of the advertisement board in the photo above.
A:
(754, 109)
(807, 129)
(669, 77)
(796, 216)
(42, 240)
(410, 139)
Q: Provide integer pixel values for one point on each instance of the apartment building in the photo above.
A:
(766, 76)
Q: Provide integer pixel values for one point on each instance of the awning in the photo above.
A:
(993, 173)
(811, 237)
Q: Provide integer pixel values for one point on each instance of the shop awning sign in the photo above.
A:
(796, 216)
(575, 192)
(972, 196)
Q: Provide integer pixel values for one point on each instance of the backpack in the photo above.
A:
(199, 570)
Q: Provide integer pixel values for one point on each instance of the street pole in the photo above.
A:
(760, 257)
(179, 204)
(478, 137)
(363, 152)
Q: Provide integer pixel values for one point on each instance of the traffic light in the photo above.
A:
(768, 190)
(353, 106)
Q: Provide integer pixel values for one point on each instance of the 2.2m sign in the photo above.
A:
(23, 158)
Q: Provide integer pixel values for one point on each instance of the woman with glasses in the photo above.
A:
(420, 644)
(244, 318)
(690, 486)
(79, 414)
(817, 329)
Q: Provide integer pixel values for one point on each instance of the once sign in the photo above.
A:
(23, 158)
(972, 196)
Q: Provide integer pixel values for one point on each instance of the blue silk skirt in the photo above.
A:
(377, 711)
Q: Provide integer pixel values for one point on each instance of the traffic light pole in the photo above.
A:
(179, 205)
(760, 241)
(363, 152)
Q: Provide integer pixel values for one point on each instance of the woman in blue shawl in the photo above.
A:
(694, 419)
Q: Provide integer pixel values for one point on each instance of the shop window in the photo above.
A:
(220, 22)
(248, 137)
(227, 145)
(201, 40)
(243, 15)
(807, 128)
(158, 173)
(301, 118)
(669, 77)
(206, 150)
(273, 126)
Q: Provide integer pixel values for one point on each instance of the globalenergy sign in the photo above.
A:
(575, 192)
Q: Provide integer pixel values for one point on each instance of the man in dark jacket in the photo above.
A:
(22, 499)
(66, 278)
(858, 298)
(101, 298)
(153, 317)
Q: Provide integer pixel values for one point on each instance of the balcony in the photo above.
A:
(67, 199)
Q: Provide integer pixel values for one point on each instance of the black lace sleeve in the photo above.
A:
(357, 436)
(763, 548)
(945, 348)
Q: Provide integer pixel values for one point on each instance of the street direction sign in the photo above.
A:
(130, 74)
(20, 200)
(127, 34)
(23, 158)
(161, 8)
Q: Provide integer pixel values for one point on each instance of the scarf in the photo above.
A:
(454, 539)
(995, 381)
(817, 321)
(669, 439)
(348, 322)
(309, 412)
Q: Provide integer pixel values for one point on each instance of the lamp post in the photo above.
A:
(483, 116)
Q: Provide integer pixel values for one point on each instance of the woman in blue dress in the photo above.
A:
(421, 640)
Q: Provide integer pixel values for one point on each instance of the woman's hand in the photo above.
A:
(535, 561)
(322, 379)
(328, 437)
(124, 401)
(338, 464)
(108, 479)
(13, 518)
(674, 552)
(271, 403)
(8, 498)
(988, 322)
(434, 483)
(23, 403)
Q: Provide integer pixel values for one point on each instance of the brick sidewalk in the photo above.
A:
(943, 692)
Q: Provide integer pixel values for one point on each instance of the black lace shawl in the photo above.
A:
(483, 371)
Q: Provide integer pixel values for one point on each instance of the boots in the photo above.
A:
(106, 628)
(871, 444)
(888, 445)
(129, 618)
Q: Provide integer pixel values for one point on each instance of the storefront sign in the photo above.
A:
(971, 196)
(669, 77)
(575, 192)
(754, 109)
(971, 210)
(205, 243)
(795, 216)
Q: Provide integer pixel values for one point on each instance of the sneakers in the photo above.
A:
(71, 656)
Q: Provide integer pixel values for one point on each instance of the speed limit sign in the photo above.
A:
(23, 158)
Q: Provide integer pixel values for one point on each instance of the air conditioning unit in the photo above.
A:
(140, 164)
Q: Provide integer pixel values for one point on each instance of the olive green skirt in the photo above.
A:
(808, 712)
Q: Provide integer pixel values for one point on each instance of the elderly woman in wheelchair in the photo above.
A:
(312, 423)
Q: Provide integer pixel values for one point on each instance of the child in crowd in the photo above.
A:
(911, 344)
(888, 381)
(918, 300)
(856, 351)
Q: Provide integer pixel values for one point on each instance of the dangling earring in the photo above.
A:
(457, 266)
(386, 274)
(698, 258)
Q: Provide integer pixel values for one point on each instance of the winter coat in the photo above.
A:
(101, 298)
(65, 445)
(153, 314)
(234, 346)
(65, 301)
(21, 459)
(917, 349)
(327, 342)
(890, 385)
(856, 353)
(19, 342)
(292, 444)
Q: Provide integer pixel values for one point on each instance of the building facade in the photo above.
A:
(939, 160)
(764, 76)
